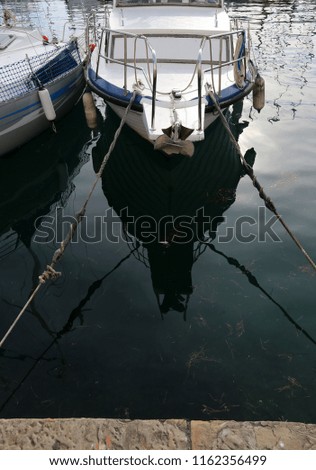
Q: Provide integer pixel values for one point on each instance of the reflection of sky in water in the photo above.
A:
(239, 354)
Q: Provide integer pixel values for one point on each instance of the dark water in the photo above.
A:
(235, 334)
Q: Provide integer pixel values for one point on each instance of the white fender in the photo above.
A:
(258, 93)
(89, 110)
(47, 104)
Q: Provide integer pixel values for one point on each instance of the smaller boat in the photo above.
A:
(179, 56)
(41, 79)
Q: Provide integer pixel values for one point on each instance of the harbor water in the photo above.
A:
(222, 328)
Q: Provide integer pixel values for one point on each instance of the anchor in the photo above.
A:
(172, 141)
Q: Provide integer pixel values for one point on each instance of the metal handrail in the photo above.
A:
(199, 80)
(119, 62)
(220, 64)
(151, 76)
(151, 80)
(126, 35)
(204, 39)
(98, 61)
(125, 64)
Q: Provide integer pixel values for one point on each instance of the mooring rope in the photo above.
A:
(50, 272)
(267, 200)
(76, 312)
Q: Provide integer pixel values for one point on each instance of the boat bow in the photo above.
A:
(173, 55)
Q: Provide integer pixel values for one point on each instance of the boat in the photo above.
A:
(169, 207)
(171, 59)
(41, 79)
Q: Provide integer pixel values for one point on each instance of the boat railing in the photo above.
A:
(104, 45)
(237, 57)
(200, 82)
(221, 52)
(26, 75)
(149, 72)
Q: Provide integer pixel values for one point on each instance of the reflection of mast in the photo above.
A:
(171, 275)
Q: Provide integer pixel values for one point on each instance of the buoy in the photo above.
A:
(90, 110)
(258, 93)
(47, 104)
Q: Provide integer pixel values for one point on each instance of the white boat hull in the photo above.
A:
(137, 121)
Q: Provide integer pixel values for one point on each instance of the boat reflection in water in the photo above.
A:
(36, 179)
(169, 205)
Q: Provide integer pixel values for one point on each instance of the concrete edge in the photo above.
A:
(169, 434)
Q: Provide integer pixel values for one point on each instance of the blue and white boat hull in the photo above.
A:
(40, 81)
(23, 118)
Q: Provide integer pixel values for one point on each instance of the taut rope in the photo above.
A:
(50, 272)
(267, 201)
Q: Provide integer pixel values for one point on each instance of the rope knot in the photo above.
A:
(49, 273)
(138, 87)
